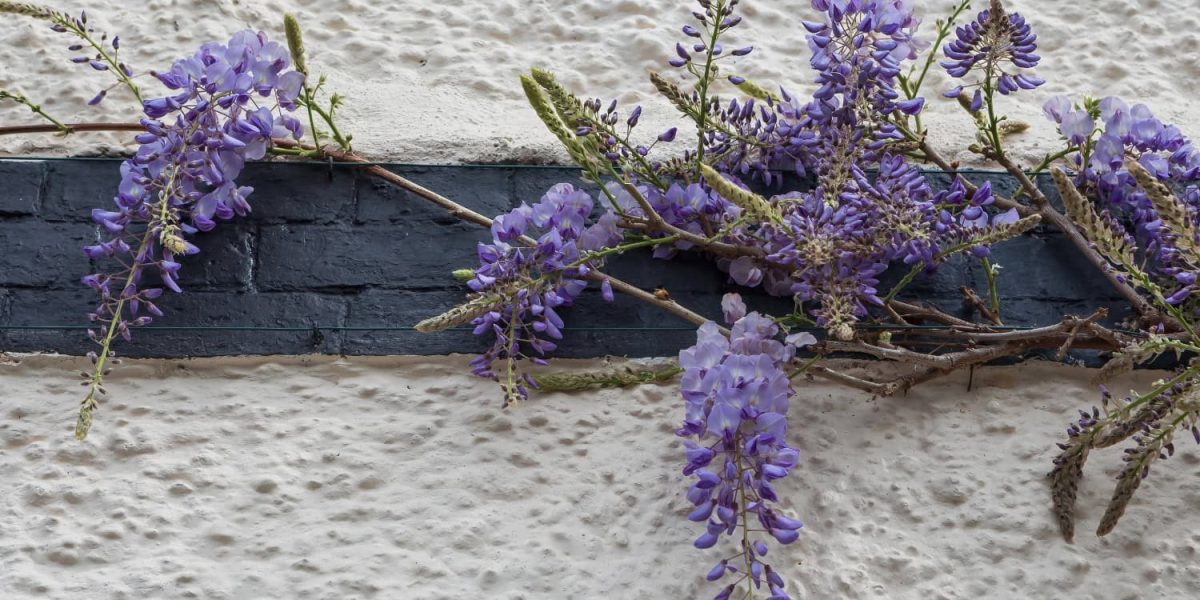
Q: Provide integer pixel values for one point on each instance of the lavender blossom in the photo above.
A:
(691, 208)
(1001, 46)
(230, 101)
(857, 53)
(1133, 133)
(519, 288)
(736, 395)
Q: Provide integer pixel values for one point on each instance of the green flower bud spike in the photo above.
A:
(26, 9)
(1110, 243)
(295, 42)
(756, 91)
(749, 201)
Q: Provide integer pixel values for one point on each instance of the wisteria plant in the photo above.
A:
(860, 137)
(227, 104)
(1130, 185)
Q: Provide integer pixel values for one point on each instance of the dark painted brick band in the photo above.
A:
(328, 254)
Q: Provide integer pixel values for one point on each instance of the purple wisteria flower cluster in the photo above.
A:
(858, 49)
(736, 392)
(691, 207)
(229, 100)
(520, 286)
(997, 45)
(834, 252)
(1134, 194)
(1103, 136)
(841, 236)
(857, 52)
(859, 137)
(827, 247)
(700, 56)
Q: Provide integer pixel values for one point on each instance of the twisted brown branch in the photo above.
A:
(978, 304)
(871, 387)
(983, 346)
(919, 312)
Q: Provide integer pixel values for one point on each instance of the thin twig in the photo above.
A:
(70, 128)
(471, 216)
(1031, 189)
(878, 389)
(978, 303)
(927, 313)
(1075, 329)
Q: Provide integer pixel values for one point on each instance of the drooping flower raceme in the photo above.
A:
(857, 52)
(999, 45)
(228, 102)
(736, 394)
(536, 263)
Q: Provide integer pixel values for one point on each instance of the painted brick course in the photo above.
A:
(333, 261)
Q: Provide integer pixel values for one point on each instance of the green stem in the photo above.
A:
(312, 123)
(805, 367)
(1147, 284)
(90, 402)
(114, 66)
(670, 239)
(328, 118)
(288, 152)
(993, 290)
(647, 170)
(1179, 346)
(1042, 166)
(907, 279)
(747, 551)
(916, 270)
(705, 80)
(36, 108)
(943, 33)
(993, 122)
(911, 89)
(1157, 391)
(510, 390)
